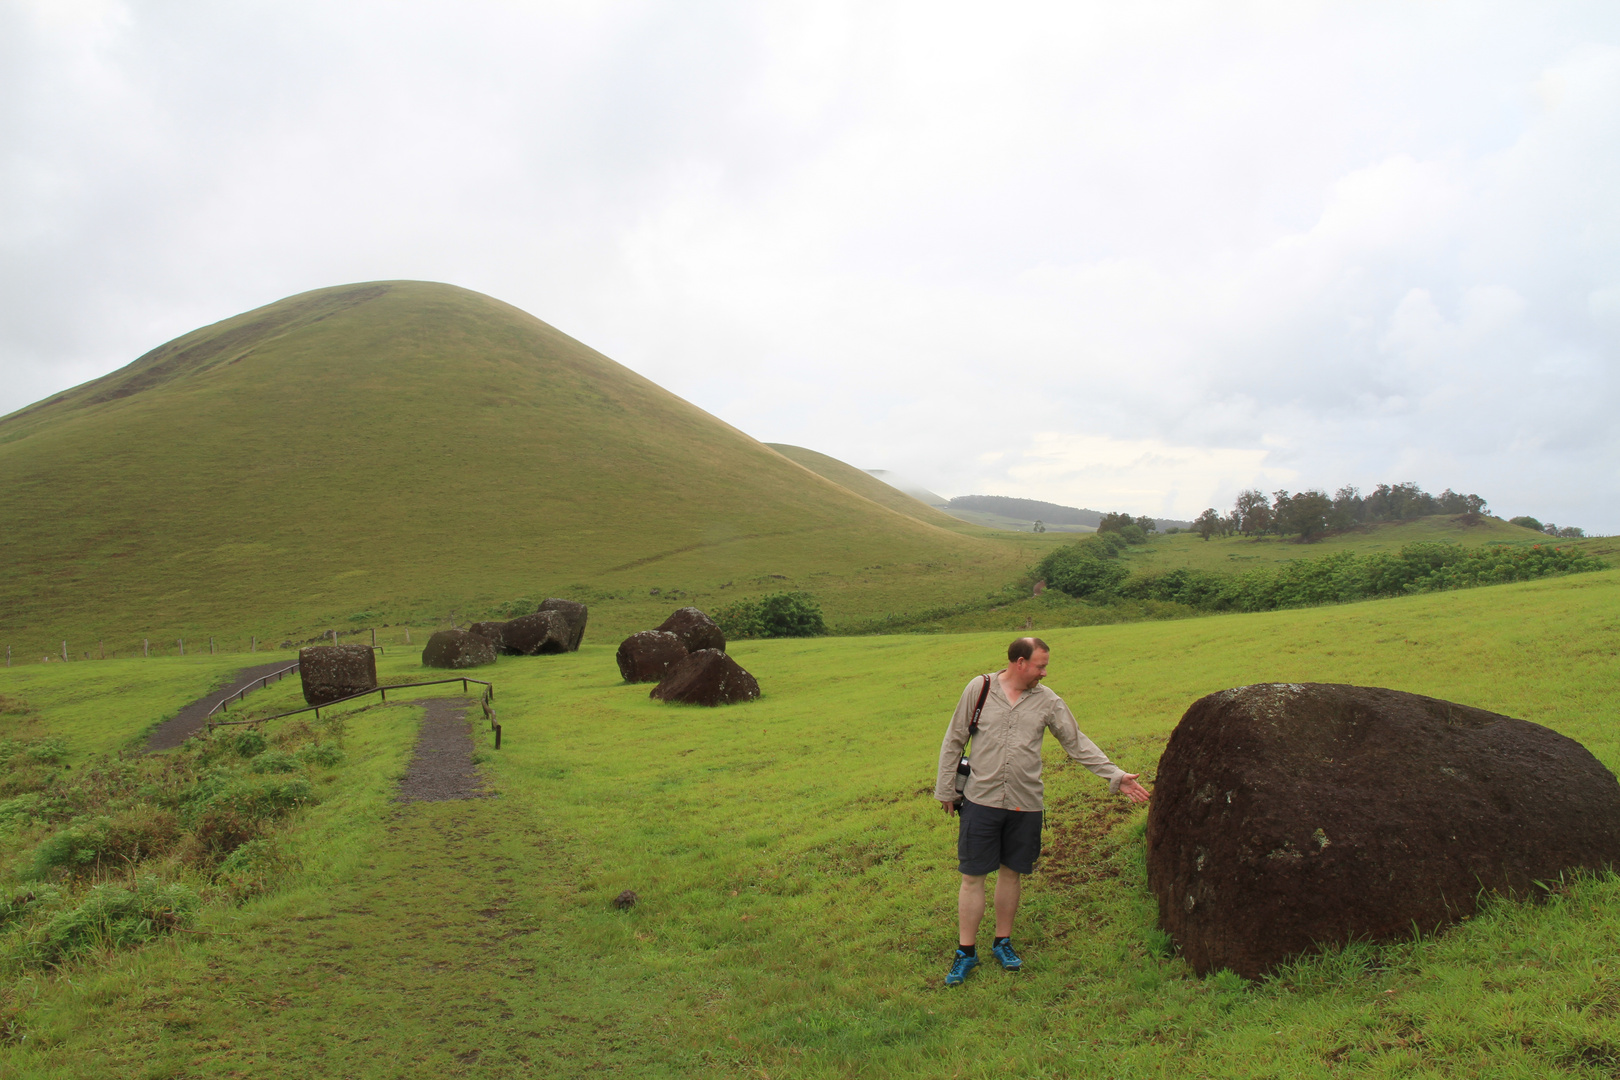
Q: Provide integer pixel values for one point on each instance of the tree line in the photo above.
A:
(1311, 513)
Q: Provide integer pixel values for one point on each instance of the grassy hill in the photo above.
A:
(409, 452)
(865, 484)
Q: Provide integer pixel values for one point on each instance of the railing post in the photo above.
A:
(497, 736)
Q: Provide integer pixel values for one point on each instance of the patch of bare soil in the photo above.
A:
(443, 769)
(1072, 852)
(189, 720)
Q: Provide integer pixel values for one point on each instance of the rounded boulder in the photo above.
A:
(544, 632)
(707, 677)
(1291, 816)
(577, 615)
(696, 630)
(648, 655)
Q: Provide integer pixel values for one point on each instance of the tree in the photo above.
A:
(1148, 524)
(1525, 522)
(1346, 507)
(1570, 532)
(1253, 512)
(1040, 526)
(1114, 522)
(1208, 523)
(1305, 513)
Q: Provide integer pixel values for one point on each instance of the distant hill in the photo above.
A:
(1048, 513)
(921, 494)
(401, 450)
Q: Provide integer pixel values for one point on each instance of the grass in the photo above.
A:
(797, 883)
(412, 453)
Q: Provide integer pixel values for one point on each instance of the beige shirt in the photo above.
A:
(1006, 752)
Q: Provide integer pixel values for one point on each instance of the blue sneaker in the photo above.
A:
(1009, 959)
(960, 966)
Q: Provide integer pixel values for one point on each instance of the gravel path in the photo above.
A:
(442, 768)
(189, 720)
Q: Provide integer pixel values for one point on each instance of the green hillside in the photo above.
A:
(865, 484)
(396, 452)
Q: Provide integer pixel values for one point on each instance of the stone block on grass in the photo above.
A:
(331, 672)
(696, 630)
(707, 677)
(544, 632)
(492, 630)
(648, 655)
(575, 612)
(458, 649)
(1291, 816)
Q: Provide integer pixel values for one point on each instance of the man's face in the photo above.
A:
(1032, 671)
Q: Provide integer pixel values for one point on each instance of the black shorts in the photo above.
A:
(988, 837)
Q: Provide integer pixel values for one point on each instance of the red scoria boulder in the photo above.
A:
(647, 656)
(1290, 816)
(695, 629)
(330, 672)
(707, 677)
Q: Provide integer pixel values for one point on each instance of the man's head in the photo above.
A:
(1026, 661)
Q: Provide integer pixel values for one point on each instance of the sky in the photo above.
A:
(1122, 256)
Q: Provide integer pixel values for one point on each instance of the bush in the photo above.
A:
(794, 614)
(111, 917)
(274, 761)
(1527, 522)
(323, 754)
(248, 743)
(229, 812)
(1134, 534)
(1089, 568)
(106, 842)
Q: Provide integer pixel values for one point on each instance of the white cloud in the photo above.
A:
(1337, 242)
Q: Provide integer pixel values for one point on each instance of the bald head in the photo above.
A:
(1024, 648)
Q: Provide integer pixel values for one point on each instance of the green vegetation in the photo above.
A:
(1090, 569)
(407, 453)
(793, 614)
(797, 883)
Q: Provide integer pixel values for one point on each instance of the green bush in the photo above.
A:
(1087, 569)
(106, 842)
(794, 614)
(111, 917)
(274, 761)
(323, 754)
(248, 743)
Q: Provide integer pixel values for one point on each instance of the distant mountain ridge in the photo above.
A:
(1045, 512)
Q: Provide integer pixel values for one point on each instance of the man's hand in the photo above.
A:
(1133, 791)
(948, 807)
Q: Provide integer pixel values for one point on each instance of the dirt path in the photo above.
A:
(189, 720)
(442, 768)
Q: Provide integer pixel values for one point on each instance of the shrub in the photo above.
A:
(794, 614)
(274, 761)
(251, 869)
(231, 811)
(111, 917)
(1134, 534)
(1527, 522)
(106, 842)
(1089, 568)
(248, 743)
(323, 754)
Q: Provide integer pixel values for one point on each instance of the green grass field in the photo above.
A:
(797, 882)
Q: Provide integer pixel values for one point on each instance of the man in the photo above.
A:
(1000, 819)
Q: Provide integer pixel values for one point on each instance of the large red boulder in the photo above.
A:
(696, 630)
(1291, 816)
(458, 649)
(330, 672)
(493, 630)
(544, 632)
(707, 677)
(647, 656)
(575, 612)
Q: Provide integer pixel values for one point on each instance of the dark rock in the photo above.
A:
(491, 630)
(707, 677)
(625, 900)
(696, 630)
(531, 635)
(575, 612)
(1290, 816)
(458, 649)
(330, 672)
(647, 656)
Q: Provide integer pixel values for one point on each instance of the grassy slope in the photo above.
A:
(398, 450)
(865, 484)
(797, 884)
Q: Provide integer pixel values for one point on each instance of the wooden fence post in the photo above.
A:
(64, 650)
(146, 647)
(253, 645)
(8, 656)
(373, 637)
(210, 645)
(182, 642)
(407, 635)
(101, 647)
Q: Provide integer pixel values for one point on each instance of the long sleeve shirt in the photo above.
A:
(1006, 752)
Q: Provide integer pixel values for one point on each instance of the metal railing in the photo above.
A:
(256, 684)
(484, 699)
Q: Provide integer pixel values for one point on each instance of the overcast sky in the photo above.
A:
(1118, 255)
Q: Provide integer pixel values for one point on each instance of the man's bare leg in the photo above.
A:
(970, 908)
(1009, 886)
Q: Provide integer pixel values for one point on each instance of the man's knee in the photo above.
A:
(1007, 870)
(970, 881)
